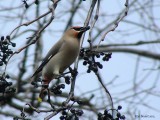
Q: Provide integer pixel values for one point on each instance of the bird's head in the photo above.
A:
(77, 31)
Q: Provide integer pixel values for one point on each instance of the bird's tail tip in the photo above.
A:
(39, 99)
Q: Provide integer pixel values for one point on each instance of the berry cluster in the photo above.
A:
(89, 59)
(72, 113)
(5, 88)
(57, 89)
(107, 116)
(26, 4)
(67, 79)
(5, 52)
(22, 117)
(4, 84)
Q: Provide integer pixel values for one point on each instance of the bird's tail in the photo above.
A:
(44, 90)
(42, 94)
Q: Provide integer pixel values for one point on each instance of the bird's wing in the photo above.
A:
(49, 55)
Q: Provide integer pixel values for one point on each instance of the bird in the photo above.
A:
(60, 56)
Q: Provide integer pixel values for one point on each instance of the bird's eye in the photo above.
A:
(77, 28)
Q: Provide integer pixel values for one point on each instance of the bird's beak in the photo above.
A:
(83, 29)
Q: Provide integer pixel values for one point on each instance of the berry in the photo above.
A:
(88, 71)
(64, 112)
(118, 114)
(79, 112)
(98, 56)
(67, 79)
(13, 44)
(62, 86)
(105, 112)
(2, 38)
(102, 53)
(122, 117)
(72, 110)
(119, 107)
(85, 63)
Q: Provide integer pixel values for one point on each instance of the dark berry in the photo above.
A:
(72, 110)
(109, 115)
(8, 37)
(64, 112)
(95, 69)
(81, 54)
(99, 114)
(13, 44)
(102, 53)
(2, 38)
(122, 117)
(79, 112)
(119, 107)
(88, 40)
(5, 47)
(36, 2)
(98, 56)
(85, 63)
(1, 63)
(67, 79)
(100, 66)
(88, 71)
(7, 76)
(57, 92)
(105, 112)
(10, 52)
(104, 58)
(62, 86)
(118, 114)
(62, 118)
(9, 83)
(5, 42)
(82, 50)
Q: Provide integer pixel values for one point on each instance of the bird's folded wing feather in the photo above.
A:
(54, 50)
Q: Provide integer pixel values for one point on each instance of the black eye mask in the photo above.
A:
(82, 29)
(77, 28)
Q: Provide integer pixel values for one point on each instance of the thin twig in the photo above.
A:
(106, 90)
(93, 24)
(143, 53)
(71, 93)
(119, 19)
(38, 110)
(38, 33)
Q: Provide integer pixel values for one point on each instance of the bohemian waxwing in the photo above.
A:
(60, 56)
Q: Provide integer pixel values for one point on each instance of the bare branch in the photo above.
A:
(119, 19)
